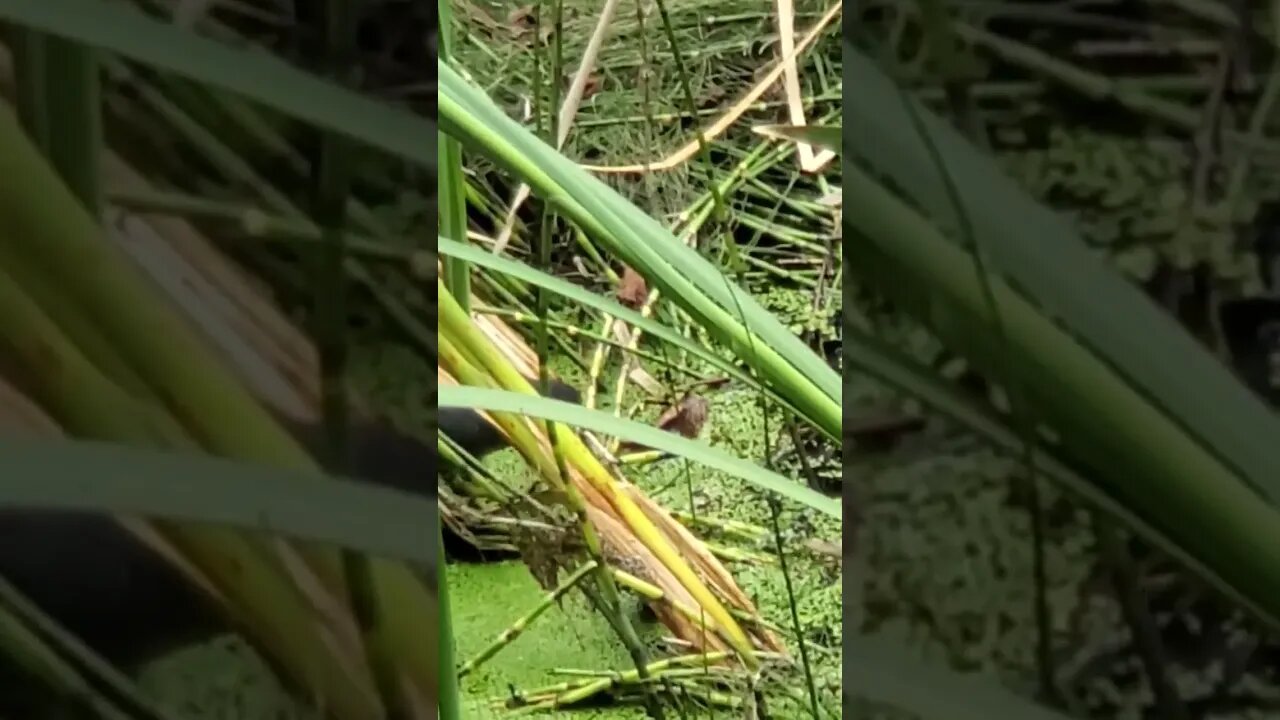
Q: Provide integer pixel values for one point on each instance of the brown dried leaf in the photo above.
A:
(633, 290)
(686, 418)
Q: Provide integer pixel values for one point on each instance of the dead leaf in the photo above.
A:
(686, 418)
(633, 290)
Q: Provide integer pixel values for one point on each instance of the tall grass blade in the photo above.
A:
(602, 422)
(101, 477)
(688, 279)
(248, 72)
(1049, 264)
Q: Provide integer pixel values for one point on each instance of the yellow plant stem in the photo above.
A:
(62, 379)
(41, 223)
(457, 328)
